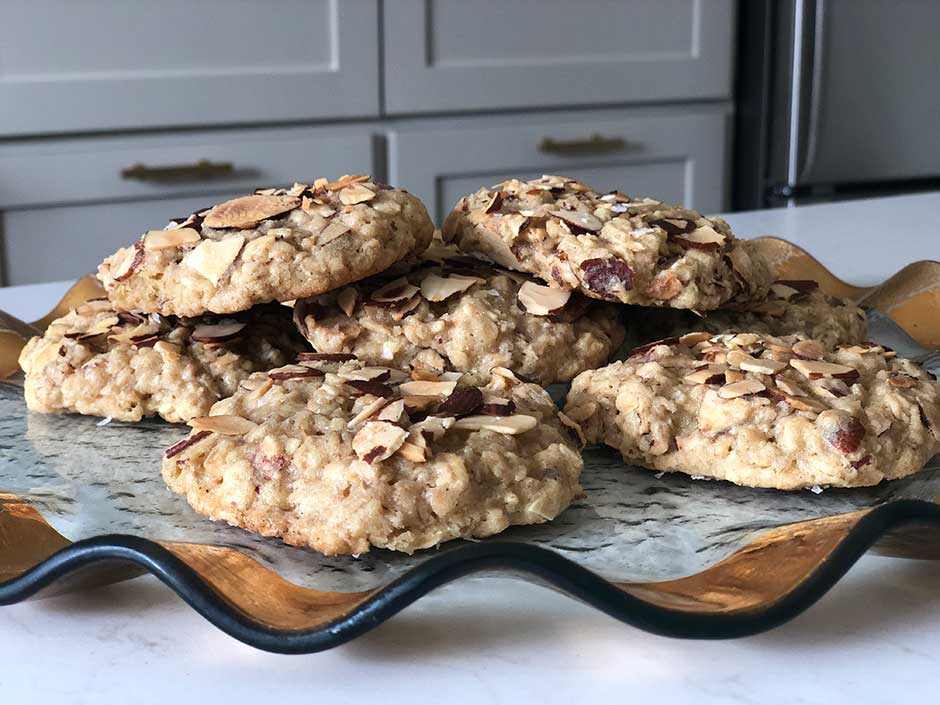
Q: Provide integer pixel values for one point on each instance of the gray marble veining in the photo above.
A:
(88, 479)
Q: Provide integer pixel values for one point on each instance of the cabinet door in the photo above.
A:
(68, 66)
(675, 156)
(458, 55)
(64, 204)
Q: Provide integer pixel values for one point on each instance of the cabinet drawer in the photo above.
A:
(672, 155)
(64, 204)
(443, 55)
(69, 66)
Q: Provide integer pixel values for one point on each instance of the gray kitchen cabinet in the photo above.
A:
(445, 55)
(75, 66)
(676, 154)
(65, 204)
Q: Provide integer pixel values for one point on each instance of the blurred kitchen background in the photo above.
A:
(116, 115)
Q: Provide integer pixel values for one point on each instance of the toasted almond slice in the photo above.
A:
(367, 411)
(225, 424)
(133, 258)
(542, 300)
(356, 193)
(102, 325)
(394, 292)
(438, 288)
(419, 403)
(413, 453)
(366, 374)
(170, 239)
(247, 211)
(710, 374)
(391, 412)
(702, 238)
(585, 221)
(740, 389)
(777, 347)
(743, 340)
(167, 350)
(378, 440)
(506, 374)
(404, 309)
(333, 230)
(342, 182)
(788, 387)
(346, 300)
(428, 389)
(511, 425)
(690, 339)
(805, 403)
(762, 365)
(734, 376)
(809, 348)
(496, 200)
(811, 368)
(433, 427)
(218, 332)
(783, 291)
(212, 258)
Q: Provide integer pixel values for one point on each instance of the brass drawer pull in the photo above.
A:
(202, 170)
(595, 144)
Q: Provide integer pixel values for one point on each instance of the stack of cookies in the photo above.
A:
(399, 399)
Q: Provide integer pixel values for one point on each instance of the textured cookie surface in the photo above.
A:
(458, 313)
(791, 307)
(763, 411)
(341, 457)
(275, 245)
(637, 251)
(102, 362)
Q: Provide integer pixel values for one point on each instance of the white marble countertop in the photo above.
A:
(873, 639)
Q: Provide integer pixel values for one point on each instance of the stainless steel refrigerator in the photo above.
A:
(836, 99)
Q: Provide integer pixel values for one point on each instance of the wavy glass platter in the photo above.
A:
(755, 557)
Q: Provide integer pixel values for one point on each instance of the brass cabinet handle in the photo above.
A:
(200, 171)
(595, 144)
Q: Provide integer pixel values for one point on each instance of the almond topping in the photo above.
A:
(437, 288)
(247, 211)
(366, 374)
(761, 365)
(511, 425)
(378, 440)
(809, 348)
(710, 374)
(690, 339)
(333, 230)
(170, 239)
(392, 412)
(789, 387)
(212, 258)
(542, 300)
(397, 291)
(413, 453)
(294, 372)
(342, 182)
(131, 261)
(226, 425)
(433, 427)
(783, 291)
(366, 412)
(356, 193)
(703, 238)
(217, 333)
(805, 403)
(428, 389)
(584, 221)
(814, 369)
(740, 389)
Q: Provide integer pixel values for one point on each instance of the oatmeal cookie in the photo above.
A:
(100, 361)
(613, 247)
(274, 245)
(762, 411)
(458, 313)
(791, 307)
(340, 456)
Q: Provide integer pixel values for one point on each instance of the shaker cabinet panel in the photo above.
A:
(113, 64)
(443, 55)
(677, 156)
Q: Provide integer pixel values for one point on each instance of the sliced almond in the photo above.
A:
(690, 339)
(811, 349)
(170, 239)
(428, 389)
(404, 309)
(356, 193)
(366, 374)
(419, 403)
(433, 427)
(740, 389)
(288, 372)
(130, 263)
(413, 453)
(814, 369)
(734, 376)
(346, 300)
(506, 374)
(102, 325)
(789, 387)
(584, 221)
(370, 407)
(391, 412)
(168, 351)
(378, 440)
(783, 291)
(212, 258)
(438, 288)
(218, 332)
(224, 424)
(333, 230)
(542, 300)
(247, 211)
(804, 403)
(702, 238)
(710, 374)
(342, 182)
(511, 425)
(496, 200)
(394, 292)
(762, 365)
